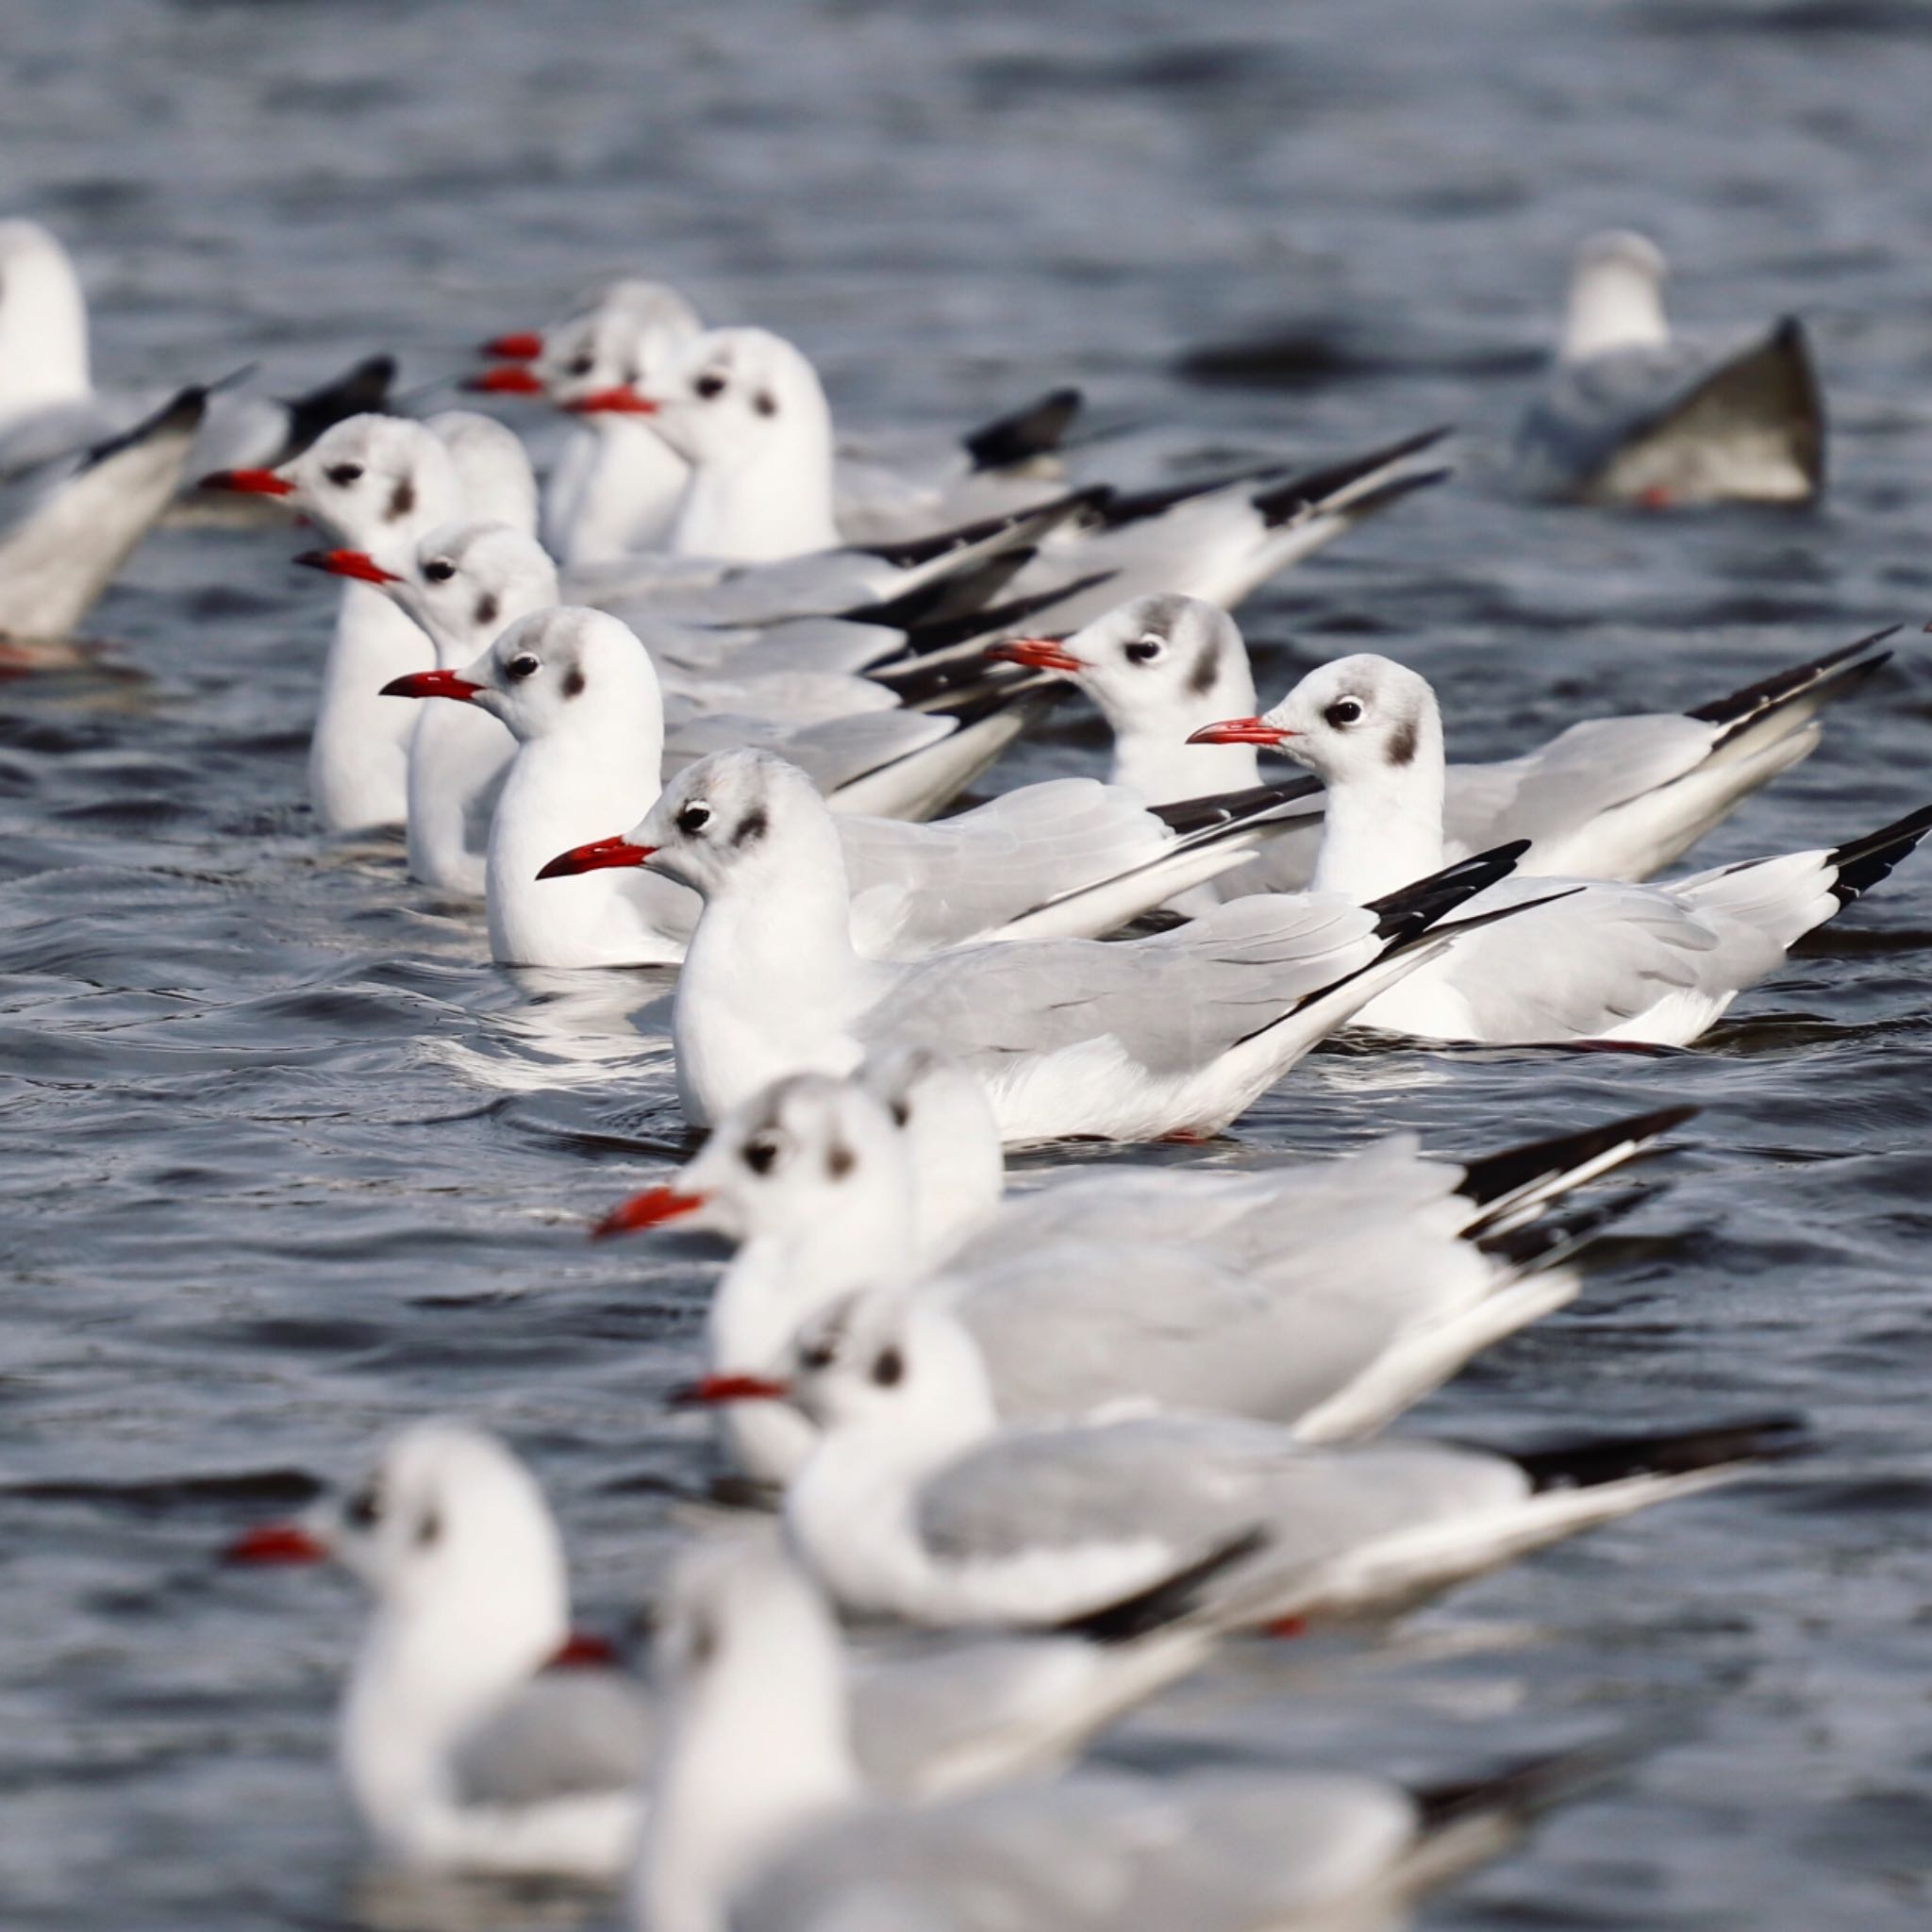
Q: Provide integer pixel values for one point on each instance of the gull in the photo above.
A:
(1328, 1298)
(746, 410)
(1177, 1033)
(1614, 798)
(49, 404)
(1657, 964)
(579, 693)
(1631, 414)
(378, 484)
(479, 1732)
(460, 1748)
(918, 1504)
(616, 484)
(761, 1820)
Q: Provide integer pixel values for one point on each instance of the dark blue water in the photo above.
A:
(285, 1161)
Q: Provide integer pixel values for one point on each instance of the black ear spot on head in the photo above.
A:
(889, 1368)
(429, 1530)
(765, 403)
(402, 500)
(487, 607)
(1402, 747)
(751, 828)
(1201, 678)
(574, 682)
(840, 1160)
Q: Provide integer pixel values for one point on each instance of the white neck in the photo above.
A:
(424, 1674)
(1614, 305)
(960, 1178)
(771, 983)
(770, 505)
(628, 493)
(565, 789)
(750, 1759)
(1384, 829)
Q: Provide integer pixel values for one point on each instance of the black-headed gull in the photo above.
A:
(460, 1748)
(377, 484)
(746, 410)
(579, 693)
(70, 518)
(1657, 964)
(1177, 1033)
(49, 404)
(917, 1503)
(616, 486)
(1612, 798)
(761, 1820)
(479, 1732)
(1327, 1297)
(1632, 415)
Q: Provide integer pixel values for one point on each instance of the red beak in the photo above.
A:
(519, 345)
(430, 684)
(507, 379)
(1037, 654)
(651, 1208)
(621, 401)
(597, 855)
(249, 483)
(275, 1543)
(348, 563)
(582, 1650)
(1240, 731)
(714, 1391)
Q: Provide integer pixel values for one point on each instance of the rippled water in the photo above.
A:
(287, 1162)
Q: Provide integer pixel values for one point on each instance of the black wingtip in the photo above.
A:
(1020, 437)
(1495, 1176)
(1864, 861)
(1312, 489)
(1750, 701)
(1168, 1601)
(1187, 815)
(1034, 696)
(1556, 1237)
(179, 415)
(1034, 522)
(358, 392)
(930, 636)
(1592, 1461)
(955, 595)
(1411, 911)
(1520, 1791)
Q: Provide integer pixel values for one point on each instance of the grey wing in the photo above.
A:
(1098, 1852)
(1549, 793)
(1171, 1002)
(1583, 965)
(831, 753)
(918, 887)
(564, 1734)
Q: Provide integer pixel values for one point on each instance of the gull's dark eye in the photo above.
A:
(889, 1371)
(820, 1356)
(523, 665)
(708, 387)
(761, 1153)
(1145, 650)
(342, 475)
(579, 365)
(693, 819)
(439, 570)
(363, 1510)
(1343, 713)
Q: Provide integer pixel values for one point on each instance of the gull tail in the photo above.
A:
(1175, 1599)
(1862, 862)
(1797, 693)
